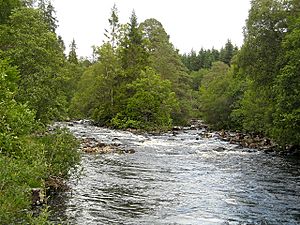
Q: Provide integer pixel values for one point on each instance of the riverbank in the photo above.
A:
(247, 140)
(37, 163)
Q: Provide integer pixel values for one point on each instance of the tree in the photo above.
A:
(109, 95)
(259, 60)
(193, 62)
(227, 53)
(7, 6)
(48, 13)
(27, 40)
(84, 100)
(167, 62)
(197, 77)
(98, 93)
(113, 33)
(151, 104)
(220, 91)
(72, 58)
(29, 153)
(133, 52)
(286, 128)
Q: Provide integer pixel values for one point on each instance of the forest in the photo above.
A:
(137, 80)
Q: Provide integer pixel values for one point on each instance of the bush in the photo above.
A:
(60, 148)
(17, 177)
(28, 154)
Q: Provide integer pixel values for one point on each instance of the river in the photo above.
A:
(179, 178)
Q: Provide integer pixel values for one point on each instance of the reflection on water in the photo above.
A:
(181, 179)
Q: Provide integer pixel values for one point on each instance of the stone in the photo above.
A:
(129, 151)
(38, 196)
(177, 128)
(220, 149)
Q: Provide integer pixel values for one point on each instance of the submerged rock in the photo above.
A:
(102, 149)
(220, 149)
(130, 151)
(91, 145)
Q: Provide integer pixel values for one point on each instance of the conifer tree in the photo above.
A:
(72, 58)
(48, 12)
(133, 52)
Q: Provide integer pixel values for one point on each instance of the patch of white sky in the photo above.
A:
(191, 24)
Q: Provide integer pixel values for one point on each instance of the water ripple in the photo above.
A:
(180, 179)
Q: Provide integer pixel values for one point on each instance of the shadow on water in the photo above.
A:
(180, 179)
(58, 207)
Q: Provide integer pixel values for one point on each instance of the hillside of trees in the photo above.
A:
(136, 80)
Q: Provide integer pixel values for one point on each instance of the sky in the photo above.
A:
(191, 24)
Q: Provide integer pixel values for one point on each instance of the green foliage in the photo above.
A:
(26, 159)
(215, 96)
(167, 62)
(260, 62)
(48, 13)
(19, 170)
(151, 104)
(31, 46)
(197, 77)
(262, 94)
(287, 115)
(8, 78)
(98, 94)
(205, 58)
(69, 82)
(7, 6)
(227, 53)
(37, 159)
(14, 189)
(72, 58)
(16, 119)
(255, 110)
(60, 148)
(113, 34)
(84, 100)
(132, 50)
(108, 90)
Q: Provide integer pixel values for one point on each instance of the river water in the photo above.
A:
(179, 178)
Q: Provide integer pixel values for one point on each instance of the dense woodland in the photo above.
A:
(137, 79)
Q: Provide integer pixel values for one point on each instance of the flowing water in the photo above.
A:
(179, 178)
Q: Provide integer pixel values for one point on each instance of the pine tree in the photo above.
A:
(72, 58)
(48, 12)
(227, 53)
(133, 52)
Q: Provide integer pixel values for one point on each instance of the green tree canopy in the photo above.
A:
(151, 104)
(287, 88)
(164, 58)
(27, 40)
(133, 52)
